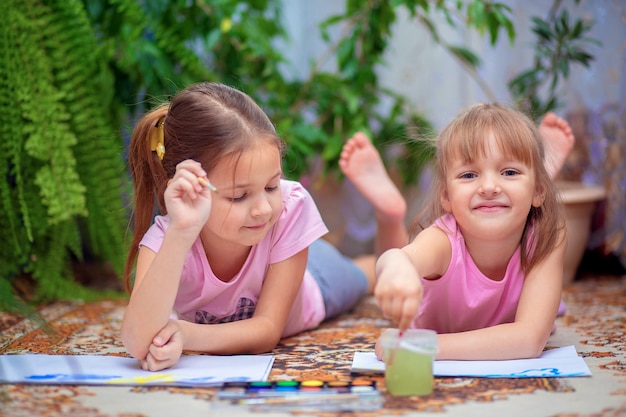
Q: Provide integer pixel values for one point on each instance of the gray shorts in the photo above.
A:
(342, 283)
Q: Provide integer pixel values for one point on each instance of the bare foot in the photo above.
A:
(558, 141)
(361, 163)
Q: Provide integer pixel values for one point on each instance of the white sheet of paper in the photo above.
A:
(191, 370)
(559, 362)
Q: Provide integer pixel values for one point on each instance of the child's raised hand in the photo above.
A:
(165, 349)
(398, 289)
(188, 201)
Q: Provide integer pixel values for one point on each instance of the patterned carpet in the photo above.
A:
(595, 322)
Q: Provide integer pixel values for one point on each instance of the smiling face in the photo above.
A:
(249, 200)
(490, 195)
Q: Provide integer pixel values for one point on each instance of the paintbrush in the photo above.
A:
(207, 184)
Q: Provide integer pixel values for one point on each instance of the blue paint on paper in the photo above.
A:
(535, 373)
(70, 377)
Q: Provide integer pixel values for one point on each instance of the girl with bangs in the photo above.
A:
(486, 273)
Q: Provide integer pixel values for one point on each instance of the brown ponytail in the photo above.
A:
(149, 179)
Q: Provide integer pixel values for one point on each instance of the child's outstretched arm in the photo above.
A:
(398, 271)
(526, 337)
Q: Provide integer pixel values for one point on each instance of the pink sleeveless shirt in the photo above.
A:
(463, 298)
(203, 298)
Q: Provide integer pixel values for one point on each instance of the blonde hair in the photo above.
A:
(516, 135)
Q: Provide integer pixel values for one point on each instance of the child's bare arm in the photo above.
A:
(399, 289)
(156, 284)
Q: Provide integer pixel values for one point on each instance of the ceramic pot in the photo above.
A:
(580, 201)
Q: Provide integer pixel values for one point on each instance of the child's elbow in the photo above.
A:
(268, 343)
(265, 347)
(132, 346)
(136, 352)
(270, 336)
(534, 346)
(534, 351)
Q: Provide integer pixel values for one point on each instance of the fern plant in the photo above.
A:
(60, 153)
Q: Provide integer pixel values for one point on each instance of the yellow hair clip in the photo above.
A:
(157, 141)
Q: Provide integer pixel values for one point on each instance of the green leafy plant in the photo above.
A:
(60, 152)
(350, 99)
(560, 44)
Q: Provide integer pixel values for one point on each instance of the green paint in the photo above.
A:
(408, 372)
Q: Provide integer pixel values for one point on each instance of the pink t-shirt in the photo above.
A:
(203, 298)
(463, 298)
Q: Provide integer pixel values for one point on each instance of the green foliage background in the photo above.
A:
(61, 154)
(75, 74)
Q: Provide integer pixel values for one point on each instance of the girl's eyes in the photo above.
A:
(243, 196)
(509, 172)
(467, 175)
(506, 173)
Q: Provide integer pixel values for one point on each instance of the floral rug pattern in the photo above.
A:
(595, 321)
